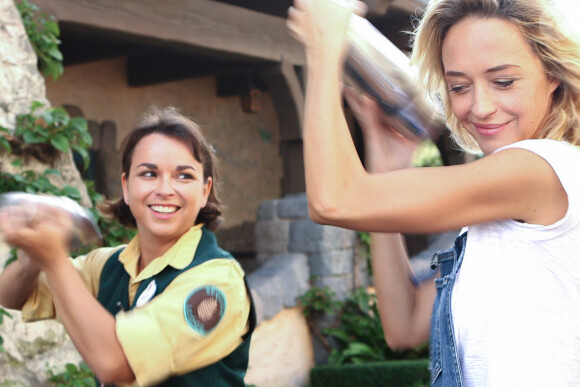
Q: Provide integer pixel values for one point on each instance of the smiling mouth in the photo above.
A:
(165, 209)
(488, 129)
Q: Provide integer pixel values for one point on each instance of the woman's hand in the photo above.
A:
(385, 149)
(321, 25)
(42, 232)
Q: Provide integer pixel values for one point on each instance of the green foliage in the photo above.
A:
(400, 373)
(359, 331)
(53, 127)
(73, 376)
(114, 233)
(364, 237)
(10, 259)
(365, 242)
(427, 155)
(43, 33)
(318, 301)
(2, 314)
(30, 182)
(357, 328)
(4, 143)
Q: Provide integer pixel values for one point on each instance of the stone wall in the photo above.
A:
(20, 81)
(283, 228)
(296, 254)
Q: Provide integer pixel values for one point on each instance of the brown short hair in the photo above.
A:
(169, 122)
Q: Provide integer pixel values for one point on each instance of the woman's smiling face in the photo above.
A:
(165, 188)
(498, 88)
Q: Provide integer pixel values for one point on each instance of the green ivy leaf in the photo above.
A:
(52, 27)
(2, 314)
(72, 192)
(35, 106)
(5, 144)
(60, 142)
(55, 53)
(85, 155)
(31, 137)
(52, 171)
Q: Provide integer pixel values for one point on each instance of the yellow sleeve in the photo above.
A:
(199, 319)
(40, 306)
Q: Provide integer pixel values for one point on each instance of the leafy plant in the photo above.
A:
(427, 155)
(364, 239)
(43, 33)
(2, 314)
(30, 182)
(53, 127)
(318, 301)
(11, 258)
(114, 233)
(357, 329)
(4, 143)
(73, 376)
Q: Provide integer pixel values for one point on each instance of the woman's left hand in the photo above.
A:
(42, 232)
(385, 149)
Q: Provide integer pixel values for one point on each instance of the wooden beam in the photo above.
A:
(288, 96)
(200, 24)
(149, 69)
(287, 93)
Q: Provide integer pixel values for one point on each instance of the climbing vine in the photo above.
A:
(43, 33)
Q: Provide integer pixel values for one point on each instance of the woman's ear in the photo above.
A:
(554, 84)
(125, 189)
(207, 189)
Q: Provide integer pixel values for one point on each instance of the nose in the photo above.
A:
(483, 103)
(164, 186)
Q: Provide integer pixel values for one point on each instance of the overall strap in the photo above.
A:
(114, 285)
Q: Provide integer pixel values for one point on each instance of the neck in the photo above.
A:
(152, 248)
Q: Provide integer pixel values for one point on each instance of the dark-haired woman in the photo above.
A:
(171, 307)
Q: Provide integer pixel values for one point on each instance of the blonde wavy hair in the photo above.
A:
(558, 51)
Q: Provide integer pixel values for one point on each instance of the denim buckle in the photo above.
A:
(435, 261)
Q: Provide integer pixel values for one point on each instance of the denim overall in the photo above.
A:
(444, 362)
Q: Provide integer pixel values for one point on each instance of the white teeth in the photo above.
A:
(164, 209)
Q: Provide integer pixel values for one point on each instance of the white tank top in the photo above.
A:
(516, 301)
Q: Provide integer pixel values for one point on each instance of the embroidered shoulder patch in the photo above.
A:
(203, 308)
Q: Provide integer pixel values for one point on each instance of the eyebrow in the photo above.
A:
(154, 166)
(490, 70)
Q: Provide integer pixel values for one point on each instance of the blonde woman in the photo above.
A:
(505, 307)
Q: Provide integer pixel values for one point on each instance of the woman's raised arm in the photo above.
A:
(512, 184)
(92, 328)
